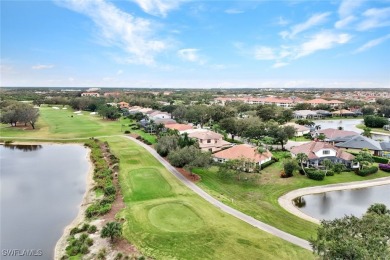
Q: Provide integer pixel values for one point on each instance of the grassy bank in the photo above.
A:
(166, 220)
(378, 130)
(260, 199)
(163, 218)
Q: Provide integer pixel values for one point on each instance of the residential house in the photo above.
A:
(243, 151)
(386, 149)
(306, 114)
(331, 133)
(320, 101)
(356, 143)
(300, 129)
(343, 112)
(123, 104)
(209, 140)
(319, 151)
(159, 115)
(182, 128)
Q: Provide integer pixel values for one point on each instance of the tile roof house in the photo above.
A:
(182, 128)
(159, 115)
(209, 140)
(331, 133)
(123, 104)
(300, 129)
(319, 151)
(318, 101)
(243, 151)
(357, 143)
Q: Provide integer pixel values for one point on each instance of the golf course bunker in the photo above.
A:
(175, 217)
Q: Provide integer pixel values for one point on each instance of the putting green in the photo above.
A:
(174, 217)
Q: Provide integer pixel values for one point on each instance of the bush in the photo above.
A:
(289, 167)
(127, 132)
(74, 231)
(84, 249)
(384, 167)
(118, 256)
(330, 173)
(266, 164)
(380, 159)
(367, 171)
(92, 229)
(109, 190)
(89, 241)
(375, 121)
(317, 175)
(84, 227)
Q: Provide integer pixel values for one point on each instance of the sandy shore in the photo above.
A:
(88, 198)
(286, 201)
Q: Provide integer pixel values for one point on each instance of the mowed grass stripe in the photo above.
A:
(178, 224)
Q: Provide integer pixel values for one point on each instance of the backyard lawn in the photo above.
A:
(260, 198)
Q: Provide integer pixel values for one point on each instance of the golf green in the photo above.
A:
(175, 217)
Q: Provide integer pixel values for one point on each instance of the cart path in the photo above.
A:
(248, 219)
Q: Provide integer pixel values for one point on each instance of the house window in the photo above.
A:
(325, 152)
(208, 141)
(216, 141)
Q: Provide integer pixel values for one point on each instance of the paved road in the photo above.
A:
(248, 219)
(286, 200)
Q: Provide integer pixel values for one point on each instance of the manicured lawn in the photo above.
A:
(166, 220)
(260, 200)
(379, 130)
(300, 139)
(163, 218)
(64, 123)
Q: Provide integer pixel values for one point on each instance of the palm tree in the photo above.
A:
(327, 164)
(301, 158)
(111, 230)
(367, 132)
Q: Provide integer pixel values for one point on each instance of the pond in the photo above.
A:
(349, 125)
(336, 204)
(42, 187)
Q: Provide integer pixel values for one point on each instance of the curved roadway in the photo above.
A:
(248, 219)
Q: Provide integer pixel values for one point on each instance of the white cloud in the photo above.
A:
(158, 7)
(313, 21)
(117, 28)
(372, 43)
(375, 18)
(282, 22)
(234, 11)
(279, 65)
(264, 53)
(348, 7)
(42, 67)
(119, 72)
(342, 23)
(190, 55)
(321, 41)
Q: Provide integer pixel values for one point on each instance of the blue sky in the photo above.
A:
(195, 44)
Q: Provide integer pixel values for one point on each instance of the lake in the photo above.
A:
(336, 204)
(42, 187)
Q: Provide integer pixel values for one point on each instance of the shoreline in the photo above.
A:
(59, 249)
(286, 201)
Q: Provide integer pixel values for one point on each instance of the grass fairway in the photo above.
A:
(166, 220)
(261, 200)
(64, 123)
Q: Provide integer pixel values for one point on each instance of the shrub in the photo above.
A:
(266, 164)
(118, 256)
(109, 190)
(367, 171)
(84, 227)
(127, 132)
(74, 231)
(89, 241)
(384, 167)
(289, 167)
(330, 173)
(317, 175)
(380, 159)
(92, 229)
(84, 249)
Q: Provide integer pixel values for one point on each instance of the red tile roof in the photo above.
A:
(178, 127)
(243, 151)
(311, 148)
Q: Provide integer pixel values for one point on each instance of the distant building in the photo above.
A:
(300, 129)
(331, 133)
(90, 94)
(320, 101)
(123, 104)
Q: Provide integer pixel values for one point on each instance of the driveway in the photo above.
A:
(248, 219)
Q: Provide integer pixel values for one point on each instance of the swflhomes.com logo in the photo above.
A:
(21, 252)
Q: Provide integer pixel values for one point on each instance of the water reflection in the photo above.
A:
(23, 147)
(336, 204)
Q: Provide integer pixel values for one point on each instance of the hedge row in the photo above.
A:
(266, 164)
(367, 171)
(376, 159)
(143, 140)
(317, 175)
(103, 177)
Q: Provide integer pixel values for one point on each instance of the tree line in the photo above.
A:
(13, 112)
